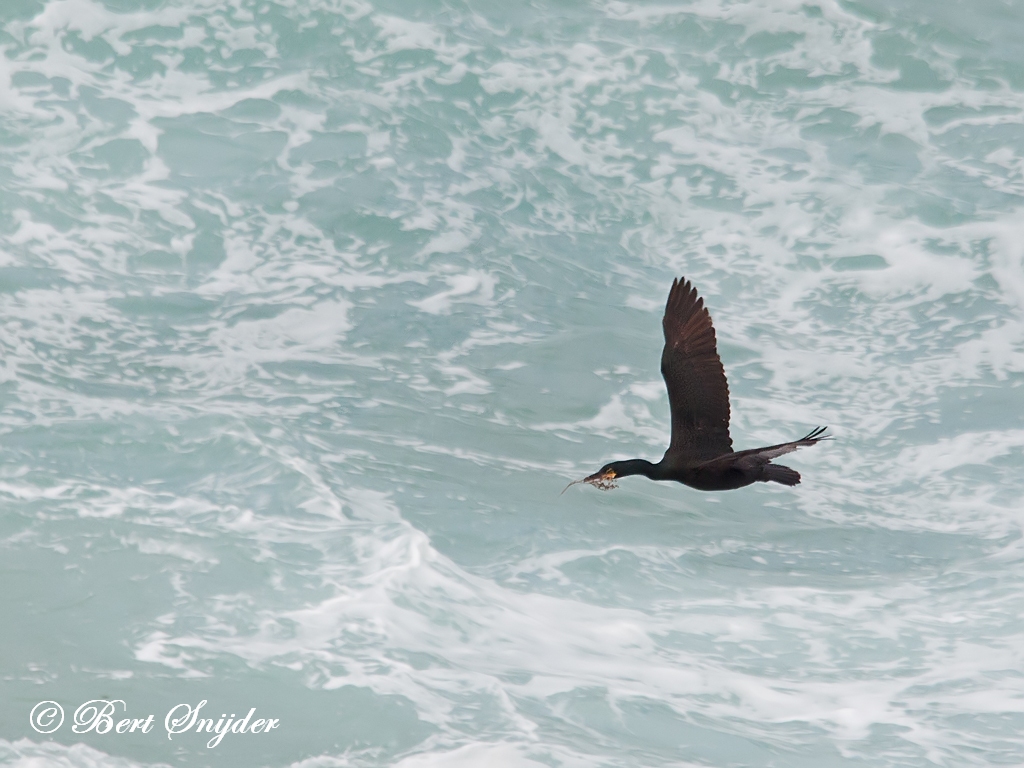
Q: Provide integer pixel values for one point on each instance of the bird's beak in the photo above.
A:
(603, 480)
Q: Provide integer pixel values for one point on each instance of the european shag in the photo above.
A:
(700, 454)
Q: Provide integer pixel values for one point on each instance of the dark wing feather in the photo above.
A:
(697, 390)
(753, 456)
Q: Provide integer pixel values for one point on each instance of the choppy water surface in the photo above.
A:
(310, 309)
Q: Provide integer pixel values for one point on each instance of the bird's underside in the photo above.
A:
(700, 453)
(739, 468)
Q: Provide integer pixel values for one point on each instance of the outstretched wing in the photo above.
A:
(753, 456)
(698, 393)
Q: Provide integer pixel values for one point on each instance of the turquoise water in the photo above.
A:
(310, 310)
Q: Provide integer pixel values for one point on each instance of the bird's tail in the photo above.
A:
(776, 473)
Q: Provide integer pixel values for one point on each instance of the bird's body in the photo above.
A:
(700, 453)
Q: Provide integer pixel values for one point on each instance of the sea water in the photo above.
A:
(309, 309)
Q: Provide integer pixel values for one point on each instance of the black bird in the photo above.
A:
(700, 454)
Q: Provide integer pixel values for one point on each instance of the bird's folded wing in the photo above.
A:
(697, 389)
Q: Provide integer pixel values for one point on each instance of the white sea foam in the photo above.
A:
(25, 753)
(297, 298)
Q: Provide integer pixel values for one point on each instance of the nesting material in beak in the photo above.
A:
(605, 481)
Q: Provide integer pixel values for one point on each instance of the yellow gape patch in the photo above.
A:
(605, 482)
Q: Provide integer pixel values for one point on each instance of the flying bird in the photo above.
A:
(700, 453)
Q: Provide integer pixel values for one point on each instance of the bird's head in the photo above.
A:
(604, 478)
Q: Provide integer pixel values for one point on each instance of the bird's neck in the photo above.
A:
(636, 467)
